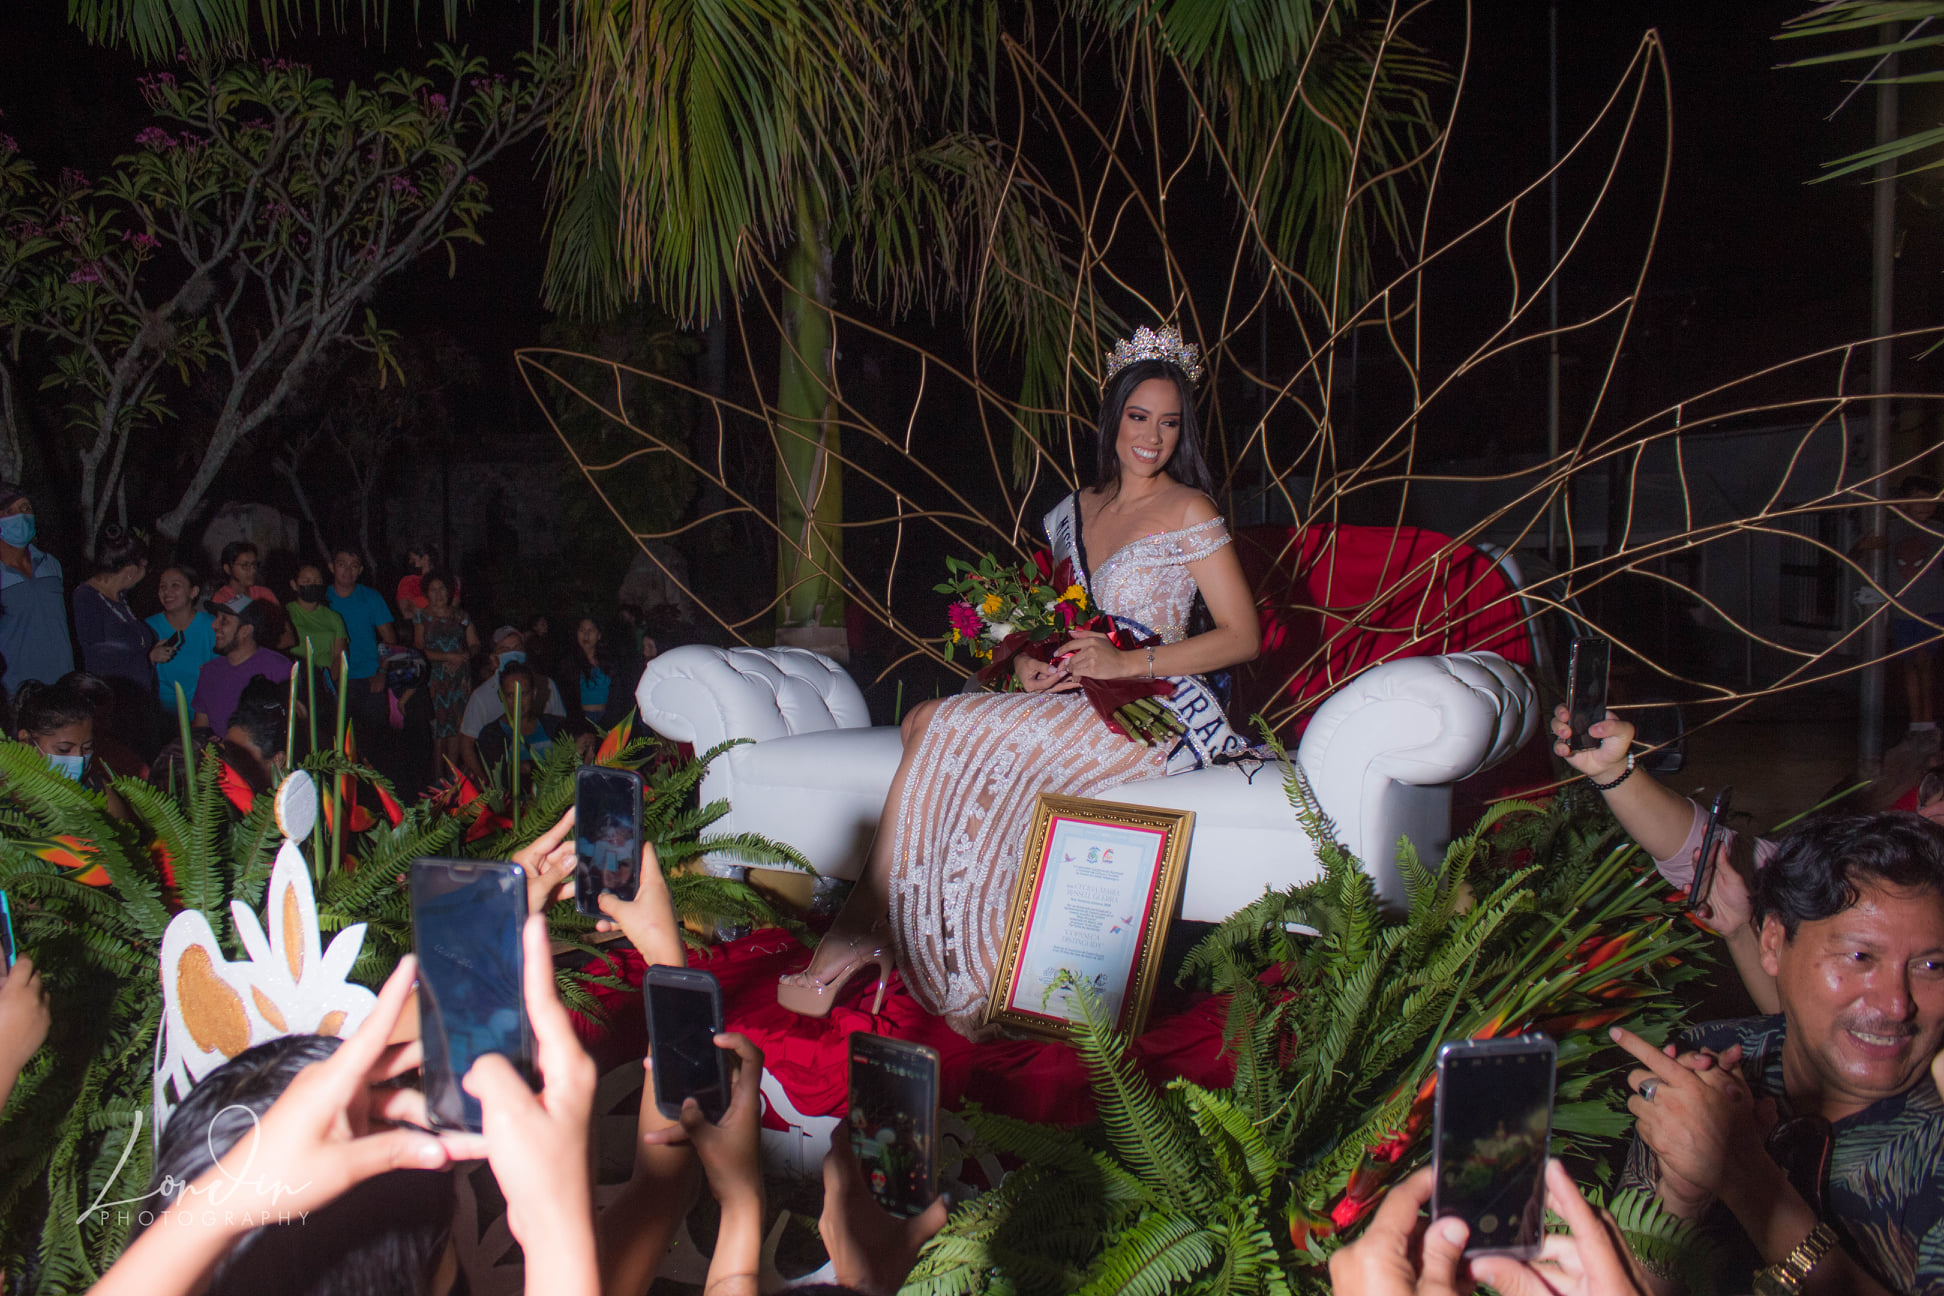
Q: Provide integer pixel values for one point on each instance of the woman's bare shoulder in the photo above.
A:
(1195, 507)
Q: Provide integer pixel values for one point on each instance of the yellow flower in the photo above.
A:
(955, 636)
(991, 605)
(1074, 594)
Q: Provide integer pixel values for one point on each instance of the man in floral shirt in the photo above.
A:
(1768, 1129)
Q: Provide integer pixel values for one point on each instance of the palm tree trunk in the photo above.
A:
(809, 478)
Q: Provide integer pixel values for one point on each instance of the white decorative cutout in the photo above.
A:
(290, 984)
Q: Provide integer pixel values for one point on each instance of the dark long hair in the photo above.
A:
(1186, 465)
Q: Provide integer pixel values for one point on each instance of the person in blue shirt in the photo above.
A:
(367, 623)
(33, 605)
(586, 676)
(180, 593)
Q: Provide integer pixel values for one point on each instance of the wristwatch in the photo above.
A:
(1785, 1278)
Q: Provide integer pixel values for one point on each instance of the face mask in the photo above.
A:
(311, 593)
(17, 530)
(73, 767)
(508, 658)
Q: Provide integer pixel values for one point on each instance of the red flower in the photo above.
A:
(616, 739)
(965, 619)
(393, 811)
(1349, 1212)
(1608, 951)
(234, 789)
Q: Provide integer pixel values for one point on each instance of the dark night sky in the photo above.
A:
(1752, 264)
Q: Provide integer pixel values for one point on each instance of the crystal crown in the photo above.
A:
(1156, 344)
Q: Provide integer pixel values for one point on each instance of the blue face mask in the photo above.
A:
(17, 530)
(508, 658)
(73, 767)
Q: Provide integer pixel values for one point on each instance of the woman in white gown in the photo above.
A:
(935, 892)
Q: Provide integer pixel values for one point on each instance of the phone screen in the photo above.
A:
(607, 835)
(6, 934)
(1586, 703)
(894, 1119)
(684, 1017)
(1494, 1122)
(1711, 838)
(466, 920)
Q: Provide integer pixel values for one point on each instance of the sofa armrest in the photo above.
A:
(1382, 751)
(704, 696)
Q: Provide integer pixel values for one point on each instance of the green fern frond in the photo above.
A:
(1159, 1254)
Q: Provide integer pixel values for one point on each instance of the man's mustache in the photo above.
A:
(1871, 1024)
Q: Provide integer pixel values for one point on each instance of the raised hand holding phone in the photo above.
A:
(467, 917)
(537, 1142)
(870, 1248)
(607, 815)
(730, 1149)
(1700, 890)
(1493, 1131)
(337, 1124)
(894, 1120)
(1586, 690)
(684, 1009)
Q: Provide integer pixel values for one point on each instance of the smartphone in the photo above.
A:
(1704, 871)
(1493, 1130)
(894, 1120)
(174, 640)
(684, 1017)
(6, 935)
(466, 921)
(1586, 689)
(607, 835)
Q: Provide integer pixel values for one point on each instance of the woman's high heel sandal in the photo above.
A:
(819, 995)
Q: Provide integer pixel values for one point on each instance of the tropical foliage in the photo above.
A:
(241, 239)
(1538, 919)
(1872, 33)
(711, 147)
(92, 895)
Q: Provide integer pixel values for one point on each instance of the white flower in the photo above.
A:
(998, 630)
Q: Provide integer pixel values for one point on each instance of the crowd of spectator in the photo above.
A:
(421, 683)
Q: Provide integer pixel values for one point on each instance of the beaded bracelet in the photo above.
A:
(1608, 787)
(1150, 653)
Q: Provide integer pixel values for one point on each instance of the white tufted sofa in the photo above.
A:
(1381, 754)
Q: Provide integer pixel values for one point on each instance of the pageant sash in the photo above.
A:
(1206, 733)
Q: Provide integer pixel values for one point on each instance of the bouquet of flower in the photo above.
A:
(1001, 610)
(994, 601)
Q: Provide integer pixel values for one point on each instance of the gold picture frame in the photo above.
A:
(1067, 913)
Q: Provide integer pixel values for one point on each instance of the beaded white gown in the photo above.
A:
(985, 759)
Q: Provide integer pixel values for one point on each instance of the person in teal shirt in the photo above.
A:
(180, 591)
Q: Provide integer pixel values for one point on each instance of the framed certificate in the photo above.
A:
(1095, 897)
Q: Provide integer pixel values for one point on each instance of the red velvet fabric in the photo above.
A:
(1030, 1079)
(1333, 600)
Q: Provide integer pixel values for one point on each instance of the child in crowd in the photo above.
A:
(58, 720)
(320, 630)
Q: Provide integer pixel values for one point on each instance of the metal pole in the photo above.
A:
(1552, 289)
(1869, 735)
